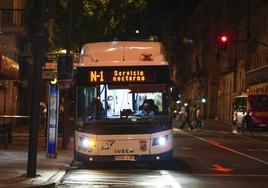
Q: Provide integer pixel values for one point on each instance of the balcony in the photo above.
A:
(257, 68)
(11, 20)
(257, 76)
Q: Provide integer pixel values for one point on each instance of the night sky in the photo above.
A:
(161, 15)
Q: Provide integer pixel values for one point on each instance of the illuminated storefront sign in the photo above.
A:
(101, 75)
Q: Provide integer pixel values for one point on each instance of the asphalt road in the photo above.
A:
(204, 158)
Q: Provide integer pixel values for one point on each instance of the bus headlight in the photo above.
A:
(160, 141)
(86, 142)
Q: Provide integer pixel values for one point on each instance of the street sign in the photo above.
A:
(52, 122)
(50, 68)
(65, 67)
(65, 71)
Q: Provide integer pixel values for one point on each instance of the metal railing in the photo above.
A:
(6, 129)
(15, 116)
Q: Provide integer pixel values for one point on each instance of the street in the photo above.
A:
(203, 158)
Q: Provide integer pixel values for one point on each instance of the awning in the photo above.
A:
(9, 69)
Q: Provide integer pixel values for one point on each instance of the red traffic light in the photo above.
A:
(223, 41)
(224, 38)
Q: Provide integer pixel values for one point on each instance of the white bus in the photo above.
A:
(113, 123)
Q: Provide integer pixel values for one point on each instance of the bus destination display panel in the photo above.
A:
(117, 75)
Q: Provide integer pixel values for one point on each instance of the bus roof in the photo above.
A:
(122, 54)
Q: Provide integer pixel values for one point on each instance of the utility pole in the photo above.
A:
(39, 49)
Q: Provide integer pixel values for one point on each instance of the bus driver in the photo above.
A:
(148, 108)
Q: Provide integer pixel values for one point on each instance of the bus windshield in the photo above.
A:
(259, 101)
(108, 101)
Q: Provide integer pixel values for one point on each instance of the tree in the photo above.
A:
(95, 20)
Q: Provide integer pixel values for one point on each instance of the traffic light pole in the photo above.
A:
(253, 41)
(38, 57)
(66, 91)
(238, 41)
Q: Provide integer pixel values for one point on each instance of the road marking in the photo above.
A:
(221, 168)
(212, 142)
(258, 149)
(170, 179)
(227, 175)
(185, 148)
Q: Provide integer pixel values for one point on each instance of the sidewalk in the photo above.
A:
(213, 125)
(13, 163)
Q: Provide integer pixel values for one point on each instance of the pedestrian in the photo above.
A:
(198, 118)
(42, 116)
(247, 123)
(186, 118)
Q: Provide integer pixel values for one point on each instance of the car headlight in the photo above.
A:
(86, 142)
(161, 141)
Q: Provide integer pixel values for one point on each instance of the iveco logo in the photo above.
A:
(130, 150)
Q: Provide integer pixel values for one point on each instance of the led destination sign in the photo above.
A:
(108, 75)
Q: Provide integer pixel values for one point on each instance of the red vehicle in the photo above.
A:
(251, 110)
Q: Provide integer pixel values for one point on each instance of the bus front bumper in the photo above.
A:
(168, 155)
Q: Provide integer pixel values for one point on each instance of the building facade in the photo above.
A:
(14, 51)
(241, 67)
(196, 66)
(256, 57)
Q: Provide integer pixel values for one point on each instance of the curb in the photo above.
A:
(51, 182)
(56, 178)
(229, 127)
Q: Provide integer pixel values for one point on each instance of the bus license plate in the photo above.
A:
(125, 158)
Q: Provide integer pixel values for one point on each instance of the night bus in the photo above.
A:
(115, 82)
(253, 104)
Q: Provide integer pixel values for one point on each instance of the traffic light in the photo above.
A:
(223, 41)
